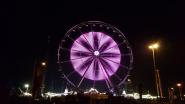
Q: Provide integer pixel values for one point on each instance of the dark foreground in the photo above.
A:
(79, 99)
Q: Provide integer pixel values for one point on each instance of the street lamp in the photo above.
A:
(154, 47)
(43, 63)
(26, 86)
(179, 85)
(43, 80)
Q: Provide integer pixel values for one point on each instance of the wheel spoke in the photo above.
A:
(114, 46)
(72, 59)
(90, 53)
(107, 83)
(87, 40)
(109, 55)
(99, 41)
(81, 54)
(104, 46)
(83, 76)
(95, 42)
(117, 63)
(123, 80)
(114, 74)
(106, 77)
(107, 67)
(85, 63)
(90, 49)
(114, 55)
(69, 81)
(106, 74)
(71, 73)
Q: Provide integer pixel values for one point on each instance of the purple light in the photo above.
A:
(95, 56)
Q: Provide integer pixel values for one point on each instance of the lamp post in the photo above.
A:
(153, 47)
(179, 85)
(26, 86)
(43, 65)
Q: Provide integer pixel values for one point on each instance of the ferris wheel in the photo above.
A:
(96, 55)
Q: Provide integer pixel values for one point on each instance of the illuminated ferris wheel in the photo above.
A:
(96, 55)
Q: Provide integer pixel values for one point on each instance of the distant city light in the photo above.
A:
(129, 80)
(179, 84)
(27, 94)
(51, 94)
(144, 96)
(43, 64)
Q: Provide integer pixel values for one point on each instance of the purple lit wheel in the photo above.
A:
(95, 54)
(98, 54)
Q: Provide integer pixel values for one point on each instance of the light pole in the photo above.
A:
(153, 47)
(179, 85)
(38, 79)
(26, 86)
(43, 77)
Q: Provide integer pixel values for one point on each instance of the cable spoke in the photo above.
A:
(114, 55)
(69, 81)
(76, 51)
(123, 80)
(70, 73)
(83, 75)
(107, 67)
(90, 49)
(104, 46)
(96, 67)
(109, 55)
(99, 41)
(86, 63)
(72, 59)
(87, 40)
(107, 83)
(114, 46)
(117, 63)
(81, 54)
(108, 77)
(95, 42)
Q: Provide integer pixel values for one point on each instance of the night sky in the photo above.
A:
(28, 27)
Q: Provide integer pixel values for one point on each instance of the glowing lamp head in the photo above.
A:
(43, 64)
(179, 84)
(26, 85)
(150, 47)
(153, 46)
(156, 46)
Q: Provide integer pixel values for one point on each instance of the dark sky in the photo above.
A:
(27, 25)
